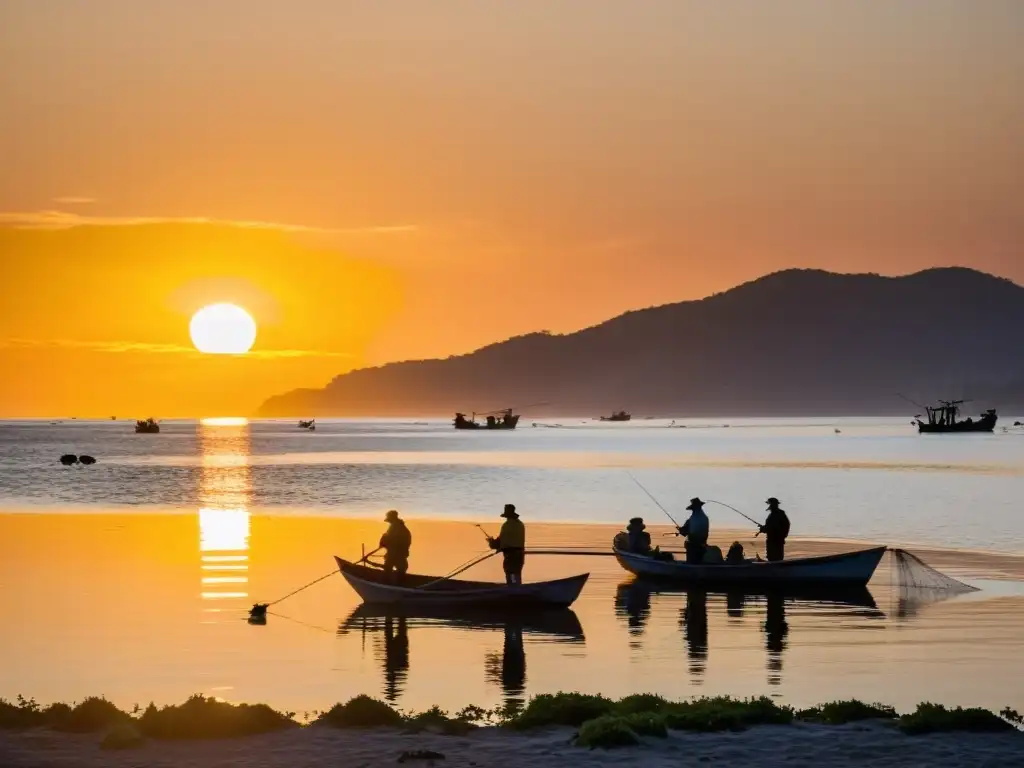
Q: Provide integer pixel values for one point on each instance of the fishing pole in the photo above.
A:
(728, 506)
(651, 497)
(485, 533)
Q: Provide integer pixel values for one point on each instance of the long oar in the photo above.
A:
(596, 553)
(651, 497)
(457, 571)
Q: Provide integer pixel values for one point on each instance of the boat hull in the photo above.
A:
(848, 569)
(982, 425)
(370, 585)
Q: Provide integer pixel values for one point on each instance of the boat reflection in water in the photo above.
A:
(633, 604)
(507, 670)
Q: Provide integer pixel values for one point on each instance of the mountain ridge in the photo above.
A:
(793, 342)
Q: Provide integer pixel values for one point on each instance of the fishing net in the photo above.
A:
(911, 573)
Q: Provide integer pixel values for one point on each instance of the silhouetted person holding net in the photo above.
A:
(775, 530)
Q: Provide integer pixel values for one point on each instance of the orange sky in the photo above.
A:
(436, 176)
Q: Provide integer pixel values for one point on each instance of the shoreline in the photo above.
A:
(549, 731)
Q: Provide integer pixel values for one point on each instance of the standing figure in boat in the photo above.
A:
(511, 542)
(775, 529)
(696, 530)
(397, 540)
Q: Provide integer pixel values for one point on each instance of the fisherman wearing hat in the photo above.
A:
(511, 542)
(639, 540)
(397, 540)
(696, 529)
(775, 530)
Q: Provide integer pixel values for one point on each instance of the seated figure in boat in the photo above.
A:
(775, 529)
(735, 554)
(696, 530)
(397, 540)
(511, 542)
(637, 541)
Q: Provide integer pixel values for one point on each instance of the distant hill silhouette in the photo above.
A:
(798, 342)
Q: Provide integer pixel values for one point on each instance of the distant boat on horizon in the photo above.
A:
(943, 418)
(617, 416)
(147, 426)
(497, 420)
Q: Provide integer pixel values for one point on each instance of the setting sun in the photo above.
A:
(223, 329)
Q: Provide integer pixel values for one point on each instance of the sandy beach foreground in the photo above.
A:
(794, 745)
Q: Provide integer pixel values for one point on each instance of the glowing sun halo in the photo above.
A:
(222, 329)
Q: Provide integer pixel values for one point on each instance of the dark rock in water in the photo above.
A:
(86, 459)
(68, 459)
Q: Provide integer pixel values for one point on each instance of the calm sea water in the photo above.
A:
(106, 593)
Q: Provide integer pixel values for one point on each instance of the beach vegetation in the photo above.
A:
(606, 732)
(935, 718)
(362, 712)
(437, 720)
(200, 717)
(552, 709)
(848, 711)
(724, 713)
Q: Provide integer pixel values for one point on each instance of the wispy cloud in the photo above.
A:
(66, 220)
(74, 200)
(146, 347)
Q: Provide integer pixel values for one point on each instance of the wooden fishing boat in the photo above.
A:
(147, 426)
(371, 585)
(553, 622)
(848, 569)
(496, 420)
(944, 418)
(617, 416)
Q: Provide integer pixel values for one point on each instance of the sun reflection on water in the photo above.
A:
(225, 489)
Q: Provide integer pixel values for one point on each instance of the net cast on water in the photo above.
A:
(912, 574)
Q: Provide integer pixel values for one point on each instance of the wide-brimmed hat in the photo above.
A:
(636, 522)
(695, 503)
(510, 511)
(772, 502)
(392, 514)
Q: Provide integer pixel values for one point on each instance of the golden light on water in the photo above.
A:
(223, 530)
(225, 488)
(224, 421)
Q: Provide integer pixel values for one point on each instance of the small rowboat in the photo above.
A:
(847, 569)
(371, 585)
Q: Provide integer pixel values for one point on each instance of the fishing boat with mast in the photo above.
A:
(617, 416)
(503, 419)
(944, 417)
